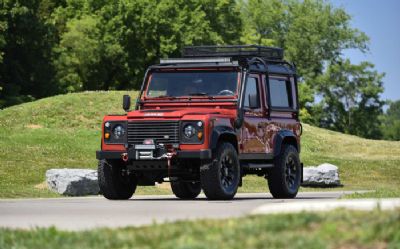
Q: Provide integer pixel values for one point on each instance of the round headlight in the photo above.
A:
(118, 131)
(189, 131)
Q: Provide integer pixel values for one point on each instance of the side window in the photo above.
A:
(251, 90)
(280, 93)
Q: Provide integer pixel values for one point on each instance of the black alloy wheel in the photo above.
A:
(220, 178)
(284, 178)
(291, 172)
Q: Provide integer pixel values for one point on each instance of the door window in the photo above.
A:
(251, 89)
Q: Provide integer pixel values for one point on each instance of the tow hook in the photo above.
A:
(169, 158)
(124, 157)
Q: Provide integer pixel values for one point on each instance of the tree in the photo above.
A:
(109, 44)
(351, 99)
(391, 122)
(26, 41)
(312, 32)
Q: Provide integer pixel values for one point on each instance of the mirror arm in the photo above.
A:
(240, 112)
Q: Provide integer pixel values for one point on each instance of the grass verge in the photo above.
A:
(64, 131)
(337, 229)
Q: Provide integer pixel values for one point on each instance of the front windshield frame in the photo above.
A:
(195, 93)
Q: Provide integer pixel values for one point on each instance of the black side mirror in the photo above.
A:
(253, 101)
(126, 102)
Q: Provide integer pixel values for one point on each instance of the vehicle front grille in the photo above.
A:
(165, 132)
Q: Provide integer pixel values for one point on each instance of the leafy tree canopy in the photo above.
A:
(391, 121)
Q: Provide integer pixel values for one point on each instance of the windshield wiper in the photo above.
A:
(198, 94)
(166, 96)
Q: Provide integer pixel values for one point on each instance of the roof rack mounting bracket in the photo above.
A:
(236, 52)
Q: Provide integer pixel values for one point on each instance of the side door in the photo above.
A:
(282, 107)
(251, 141)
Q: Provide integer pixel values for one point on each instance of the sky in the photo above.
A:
(380, 20)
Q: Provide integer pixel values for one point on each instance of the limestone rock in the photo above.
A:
(73, 182)
(325, 175)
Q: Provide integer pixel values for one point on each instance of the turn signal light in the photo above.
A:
(107, 135)
(199, 135)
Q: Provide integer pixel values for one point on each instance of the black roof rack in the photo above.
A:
(234, 51)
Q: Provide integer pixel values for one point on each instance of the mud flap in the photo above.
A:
(301, 173)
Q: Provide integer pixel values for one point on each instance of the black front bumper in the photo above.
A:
(181, 154)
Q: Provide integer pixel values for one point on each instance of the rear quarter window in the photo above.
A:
(280, 93)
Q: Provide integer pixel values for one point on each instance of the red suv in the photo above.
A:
(203, 122)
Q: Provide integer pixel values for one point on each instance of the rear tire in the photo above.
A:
(186, 190)
(220, 179)
(284, 178)
(113, 184)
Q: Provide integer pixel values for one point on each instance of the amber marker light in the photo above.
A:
(107, 135)
(199, 135)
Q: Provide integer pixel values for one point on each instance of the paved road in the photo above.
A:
(89, 212)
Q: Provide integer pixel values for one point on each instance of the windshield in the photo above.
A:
(205, 83)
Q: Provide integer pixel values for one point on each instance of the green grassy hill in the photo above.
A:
(64, 131)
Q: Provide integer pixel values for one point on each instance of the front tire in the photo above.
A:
(186, 190)
(220, 179)
(113, 184)
(284, 178)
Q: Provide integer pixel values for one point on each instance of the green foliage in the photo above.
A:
(312, 32)
(335, 229)
(57, 46)
(391, 122)
(108, 45)
(351, 99)
(26, 41)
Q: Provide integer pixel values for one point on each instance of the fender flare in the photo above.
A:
(219, 131)
(279, 139)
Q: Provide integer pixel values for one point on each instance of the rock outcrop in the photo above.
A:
(325, 175)
(73, 182)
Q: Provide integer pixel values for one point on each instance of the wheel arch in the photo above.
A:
(285, 137)
(223, 133)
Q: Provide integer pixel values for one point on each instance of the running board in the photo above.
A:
(257, 166)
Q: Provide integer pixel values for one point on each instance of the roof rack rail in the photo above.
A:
(234, 51)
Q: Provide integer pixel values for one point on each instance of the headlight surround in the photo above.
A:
(192, 132)
(115, 132)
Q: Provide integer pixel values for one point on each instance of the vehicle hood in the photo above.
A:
(170, 113)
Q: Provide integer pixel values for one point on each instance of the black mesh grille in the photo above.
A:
(165, 132)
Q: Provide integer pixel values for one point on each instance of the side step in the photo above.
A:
(257, 165)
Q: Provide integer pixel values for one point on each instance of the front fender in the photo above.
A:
(225, 132)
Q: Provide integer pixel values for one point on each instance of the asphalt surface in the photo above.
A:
(80, 213)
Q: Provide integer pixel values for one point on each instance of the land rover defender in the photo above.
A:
(203, 122)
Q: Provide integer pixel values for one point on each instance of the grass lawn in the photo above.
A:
(64, 131)
(337, 229)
